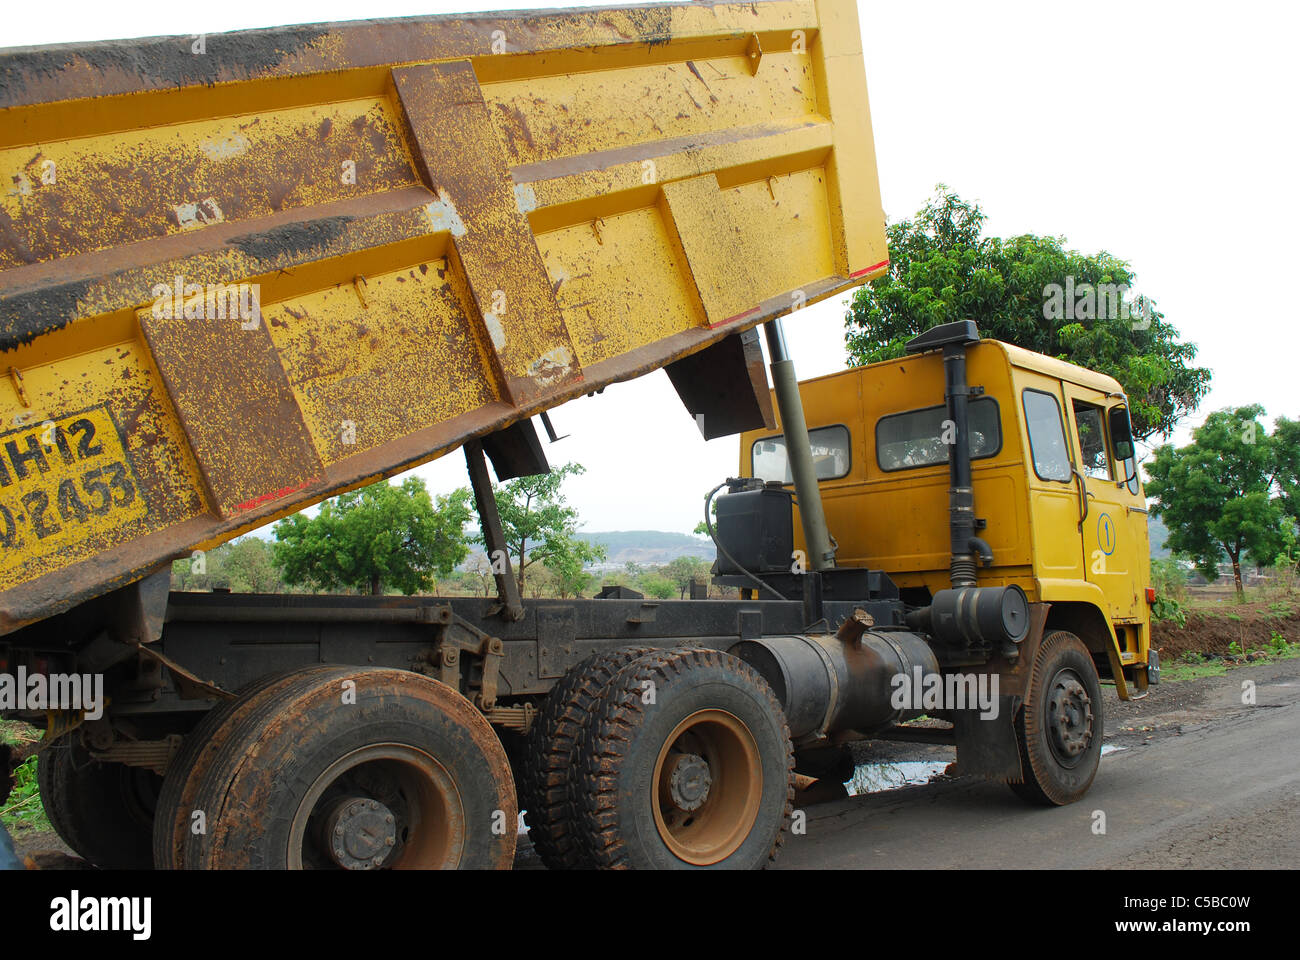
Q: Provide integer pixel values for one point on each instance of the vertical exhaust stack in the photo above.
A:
(798, 449)
(967, 549)
(966, 616)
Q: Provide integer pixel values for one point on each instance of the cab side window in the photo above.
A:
(830, 451)
(1092, 441)
(1046, 436)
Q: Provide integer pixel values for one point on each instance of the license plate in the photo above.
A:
(63, 482)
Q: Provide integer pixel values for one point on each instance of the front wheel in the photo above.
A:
(1060, 727)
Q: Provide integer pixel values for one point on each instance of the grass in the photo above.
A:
(14, 733)
(1190, 669)
(1181, 670)
(1279, 610)
(1194, 666)
(23, 809)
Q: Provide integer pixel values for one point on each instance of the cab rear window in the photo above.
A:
(830, 453)
(920, 438)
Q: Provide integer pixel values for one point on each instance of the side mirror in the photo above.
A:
(1121, 433)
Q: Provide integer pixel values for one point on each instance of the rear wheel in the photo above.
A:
(1060, 727)
(174, 819)
(103, 811)
(356, 769)
(549, 770)
(687, 764)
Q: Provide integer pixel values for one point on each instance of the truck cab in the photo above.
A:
(1056, 488)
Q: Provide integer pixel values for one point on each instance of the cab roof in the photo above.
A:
(1026, 360)
(1058, 369)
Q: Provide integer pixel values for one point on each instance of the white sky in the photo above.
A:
(1162, 132)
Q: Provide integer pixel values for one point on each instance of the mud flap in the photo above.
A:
(987, 747)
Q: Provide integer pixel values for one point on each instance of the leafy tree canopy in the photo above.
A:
(661, 588)
(943, 269)
(1219, 497)
(1286, 451)
(382, 536)
(682, 570)
(539, 526)
(245, 565)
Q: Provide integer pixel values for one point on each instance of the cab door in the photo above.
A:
(1111, 548)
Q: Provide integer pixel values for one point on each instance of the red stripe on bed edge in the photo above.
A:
(882, 263)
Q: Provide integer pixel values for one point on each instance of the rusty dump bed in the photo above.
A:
(242, 273)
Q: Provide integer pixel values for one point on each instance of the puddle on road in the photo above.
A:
(879, 777)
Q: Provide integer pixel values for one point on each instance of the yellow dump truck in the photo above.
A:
(241, 273)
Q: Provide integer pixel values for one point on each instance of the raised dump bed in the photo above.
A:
(245, 272)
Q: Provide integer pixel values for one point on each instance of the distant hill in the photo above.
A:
(657, 547)
(648, 547)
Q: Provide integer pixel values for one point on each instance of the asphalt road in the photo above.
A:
(1202, 781)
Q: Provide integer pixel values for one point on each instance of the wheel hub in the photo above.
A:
(360, 833)
(708, 785)
(689, 781)
(1069, 716)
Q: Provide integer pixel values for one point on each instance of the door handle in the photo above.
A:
(1083, 494)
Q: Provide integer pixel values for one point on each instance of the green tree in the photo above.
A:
(381, 536)
(186, 575)
(657, 586)
(246, 565)
(702, 528)
(478, 578)
(943, 269)
(250, 566)
(1169, 579)
(539, 524)
(1286, 454)
(682, 570)
(1216, 495)
(568, 573)
(541, 582)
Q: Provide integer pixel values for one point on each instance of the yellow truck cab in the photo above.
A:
(1056, 491)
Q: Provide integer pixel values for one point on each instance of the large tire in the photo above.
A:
(390, 770)
(1060, 726)
(687, 764)
(550, 767)
(172, 820)
(103, 811)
